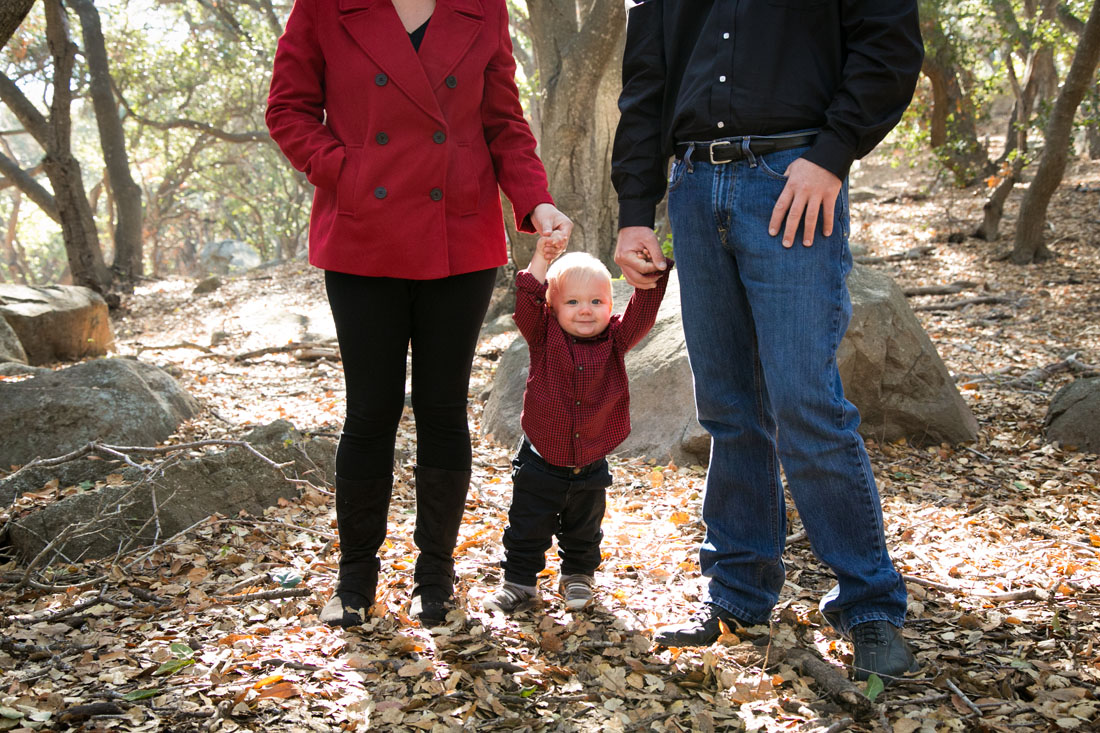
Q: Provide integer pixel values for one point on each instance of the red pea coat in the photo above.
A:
(406, 149)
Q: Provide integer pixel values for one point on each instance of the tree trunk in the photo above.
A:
(126, 193)
(953, 131)
(12, 13)
(63, 170)
(579, 83)
(1029, 245)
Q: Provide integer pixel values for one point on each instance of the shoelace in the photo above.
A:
(872, 633)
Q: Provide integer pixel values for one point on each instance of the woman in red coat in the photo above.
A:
(405, 116)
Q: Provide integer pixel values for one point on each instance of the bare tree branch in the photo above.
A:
(25, 182)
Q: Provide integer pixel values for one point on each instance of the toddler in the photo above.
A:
(575, 412)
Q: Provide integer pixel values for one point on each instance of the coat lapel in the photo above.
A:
(454, 27)
(377, 29)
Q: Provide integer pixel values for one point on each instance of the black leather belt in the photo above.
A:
(731, 149)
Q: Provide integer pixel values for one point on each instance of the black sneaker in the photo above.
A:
(880, 649)
(702, 629)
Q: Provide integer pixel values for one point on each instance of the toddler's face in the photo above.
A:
(582, 305)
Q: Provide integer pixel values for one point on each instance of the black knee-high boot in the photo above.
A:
(361, 511)
(440, 502)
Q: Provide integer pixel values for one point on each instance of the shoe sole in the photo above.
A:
(578, 605)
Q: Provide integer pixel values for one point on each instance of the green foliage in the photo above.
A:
(875, 687)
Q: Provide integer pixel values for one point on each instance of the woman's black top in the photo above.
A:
(417, 36)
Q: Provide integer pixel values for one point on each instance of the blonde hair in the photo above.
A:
(576, 265)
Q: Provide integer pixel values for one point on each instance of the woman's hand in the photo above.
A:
(553, 228)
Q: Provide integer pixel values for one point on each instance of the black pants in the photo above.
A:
(550, 500)
(376, 319)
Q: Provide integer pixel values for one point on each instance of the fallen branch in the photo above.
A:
(288, 348)
(1027, 594)
(115, 450)
(913, 253)
(180, 345)
(952, 289)
(1039, 374)
(842, 724)
(268, 595)
(956, 304)
(831, 681)
(962, 696)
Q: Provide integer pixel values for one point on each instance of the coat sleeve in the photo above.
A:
(296, 101)
(637, 161)
(518, 169)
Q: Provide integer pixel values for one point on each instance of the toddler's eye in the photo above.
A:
(571, 301)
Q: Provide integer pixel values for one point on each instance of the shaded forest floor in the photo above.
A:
(999, 541)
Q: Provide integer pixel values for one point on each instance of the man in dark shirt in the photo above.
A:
(764, 106)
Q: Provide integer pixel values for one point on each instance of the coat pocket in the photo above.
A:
(347, 193)
(464, 180)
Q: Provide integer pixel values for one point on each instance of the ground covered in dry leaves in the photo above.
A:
(217, 629)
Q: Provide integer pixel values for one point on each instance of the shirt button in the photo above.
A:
(721, 78)
(382, 138)
(436, 194)
(576, 435)
(381, 80)
(451, 82)
(721, 124)
(380, 192)
(438, 137)
(726, 36)
(578, 402)
(580, 369)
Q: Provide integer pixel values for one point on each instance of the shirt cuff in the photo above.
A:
(637, 213)
(831, 153)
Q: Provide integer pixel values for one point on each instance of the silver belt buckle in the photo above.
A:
(722, 143)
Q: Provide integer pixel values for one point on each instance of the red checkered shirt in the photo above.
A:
(576, 408)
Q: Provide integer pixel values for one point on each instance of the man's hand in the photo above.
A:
(639, 255)
(553, 228)
(810, 190)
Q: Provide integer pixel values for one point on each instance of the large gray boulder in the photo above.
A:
(57, 322)
(893, 373)
(117, 401)
(1074, 415)
(890, 368)
(135, 510)
(11, 350)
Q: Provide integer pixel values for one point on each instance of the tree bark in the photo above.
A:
(17, 265)
(62, 168)
(1029, 245)
(12, 13)
(127, 261)
(579, 84)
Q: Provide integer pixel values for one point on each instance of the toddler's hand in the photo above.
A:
(552, 246)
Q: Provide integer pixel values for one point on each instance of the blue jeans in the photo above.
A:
(762, 325)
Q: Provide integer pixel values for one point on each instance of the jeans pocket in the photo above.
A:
(762, 160)
(676, 174)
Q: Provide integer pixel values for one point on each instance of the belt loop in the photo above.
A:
(687, 157)
(746, 152)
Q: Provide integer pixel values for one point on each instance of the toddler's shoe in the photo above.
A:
(576, 590)
(509, 597)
